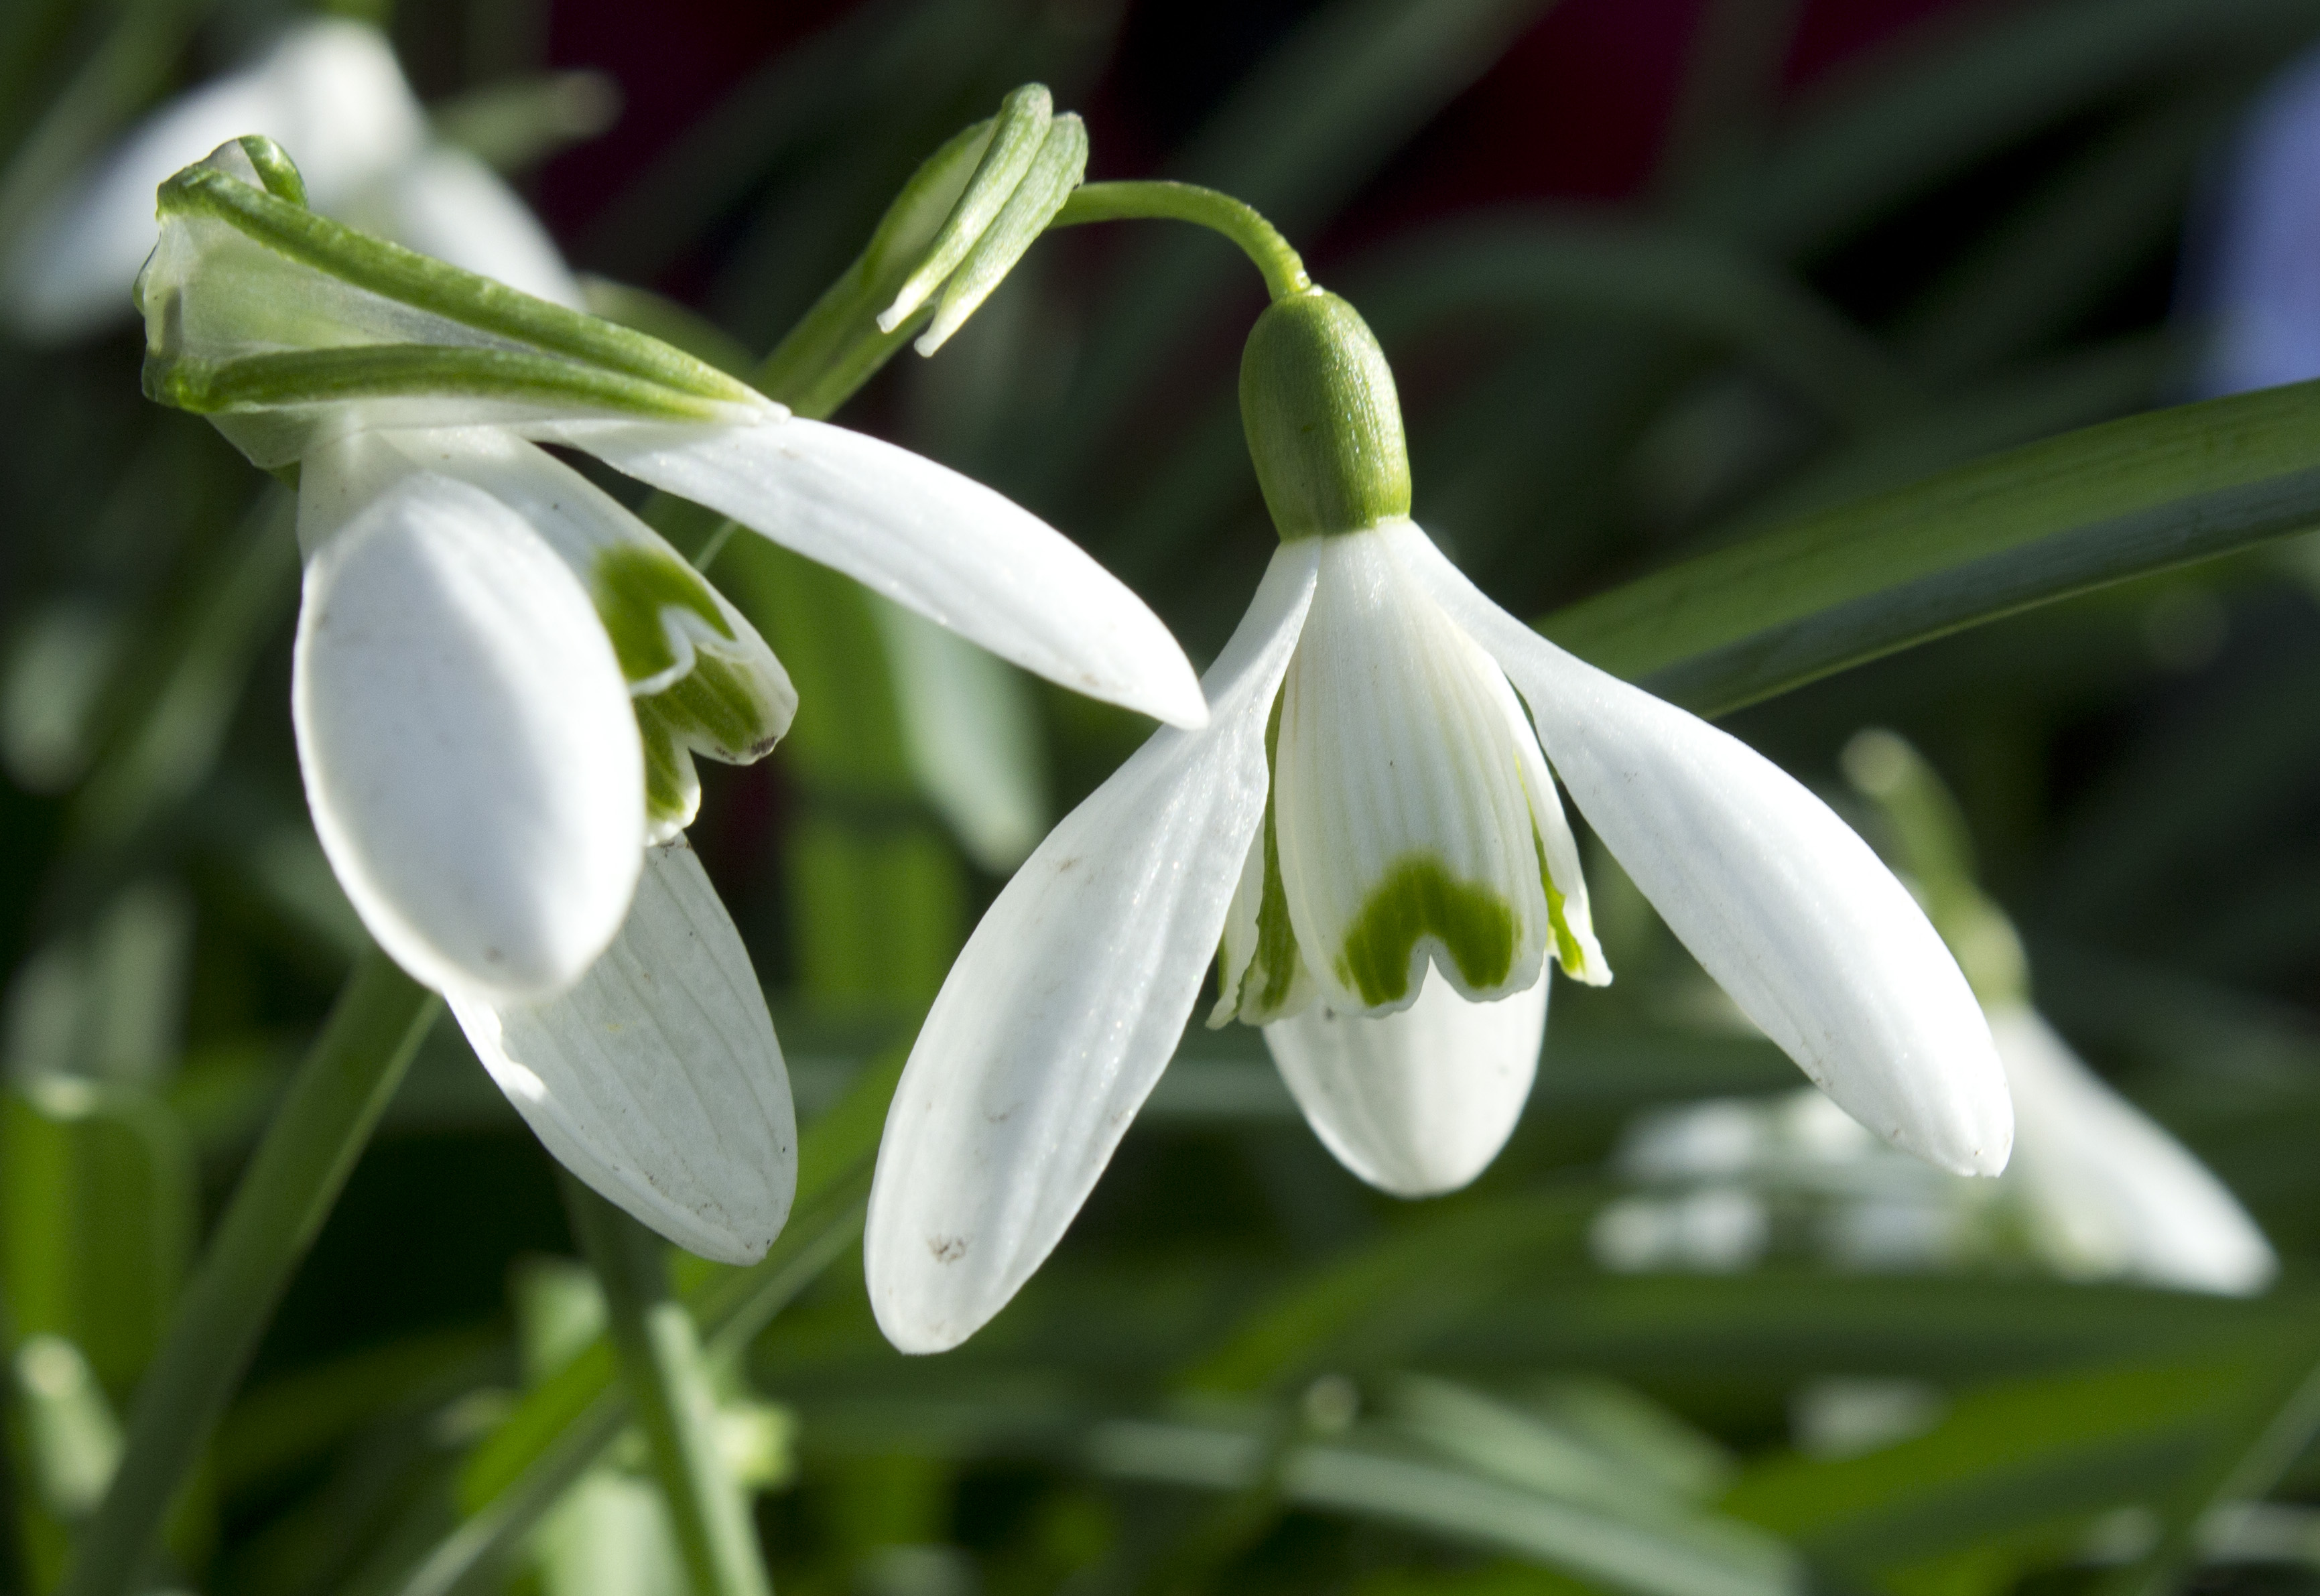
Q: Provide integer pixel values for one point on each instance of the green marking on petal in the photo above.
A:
(1568, 951)
(716, 709)
(634, 584)
(672, 787)
(1420, 898)
(1276, 957)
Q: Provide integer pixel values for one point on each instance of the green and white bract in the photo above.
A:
(1369, 830)
(501, 675)
(329, 88)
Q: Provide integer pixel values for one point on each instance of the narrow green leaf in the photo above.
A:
(1986, 539)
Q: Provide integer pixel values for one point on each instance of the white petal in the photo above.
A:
(1421, 1101)
(2109, 1191)
(470, 758)
(1405, 834)
(922, 535)
(1068, 1001)
(1575, 947)
(331, 94)
(591, 531)
(443, 201)
(656, 1079)
(1780, 901)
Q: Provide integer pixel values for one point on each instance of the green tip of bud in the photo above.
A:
(1323, 420)
(276, 170)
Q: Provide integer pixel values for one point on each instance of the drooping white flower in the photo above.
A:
(1369, 828)
(329, 88)
(501, 675)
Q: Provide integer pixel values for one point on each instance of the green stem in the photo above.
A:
(1259, 240)
(287, 1191)
(659, 1353)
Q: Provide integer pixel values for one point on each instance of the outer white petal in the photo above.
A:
(2109, 1191)
(469, 754)
(443, 201)
(1068, 1002)
(1418, 1101)
(924, 536)
(582, 523)
(1782, 902)
(330, 93)
(1395, 756)
(658, 1079)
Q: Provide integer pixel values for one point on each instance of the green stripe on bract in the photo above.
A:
(441, 288)
(1417, 898)
(632, 583)
(383, 371)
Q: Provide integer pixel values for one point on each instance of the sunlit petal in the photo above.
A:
(922, 535)
(1782, 902)
(1068, 1001)
(1405, 834)
(658, 1079)
(1421, 1101)
(469, 754)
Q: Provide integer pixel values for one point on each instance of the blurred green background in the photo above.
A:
(1658, 279)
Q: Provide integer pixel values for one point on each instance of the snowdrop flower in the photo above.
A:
(1369, 827)
(502, 676)
(330, 90)
(2254, 272)
(2101, 1188)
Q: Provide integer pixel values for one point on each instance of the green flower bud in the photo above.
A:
(1323, 423)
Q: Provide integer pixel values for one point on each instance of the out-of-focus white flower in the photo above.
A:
(329, 89)
(2095, 1190)
(2254, 271)
(1370, 828)
(2105, 1190)
(501, 675)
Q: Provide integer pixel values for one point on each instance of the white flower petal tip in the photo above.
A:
(1068, 1002)
(1416, 1103)
(1779, 901)
(924, 536)
(658, 1079)
(2108, 1192)
(470, 758)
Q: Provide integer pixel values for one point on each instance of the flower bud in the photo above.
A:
(1323, 420)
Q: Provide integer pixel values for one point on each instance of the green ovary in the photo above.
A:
(634, 584)
(1419, 898)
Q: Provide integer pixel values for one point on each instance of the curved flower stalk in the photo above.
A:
(502, 676)
(329, 88)
(2101, 1189)
(1370, 827)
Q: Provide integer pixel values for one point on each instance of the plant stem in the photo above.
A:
(659, 1353)
(1259, 240)
(299, 1169)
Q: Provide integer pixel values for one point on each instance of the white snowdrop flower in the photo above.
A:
(1370, 829)
(330, 89)
(501, 675)
(2107, 1192)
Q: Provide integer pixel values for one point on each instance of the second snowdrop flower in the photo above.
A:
(1370, 829)
(501, 675)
